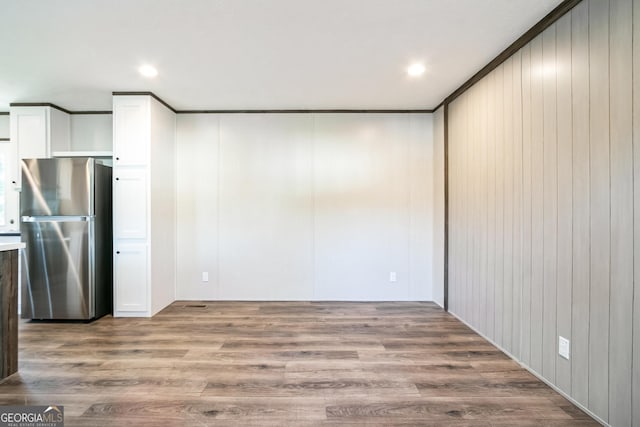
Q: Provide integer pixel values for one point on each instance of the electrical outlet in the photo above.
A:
(563, 347)
(393, 277)
(205, 276)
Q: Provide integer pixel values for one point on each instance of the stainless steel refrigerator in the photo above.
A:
(65, 222)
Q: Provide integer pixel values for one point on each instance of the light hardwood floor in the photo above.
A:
(281, 364)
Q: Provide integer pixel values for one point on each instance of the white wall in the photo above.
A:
(266, 207)
(163, 206)
(197, 205)
(91, 132)
(305, 206)
(438, 195)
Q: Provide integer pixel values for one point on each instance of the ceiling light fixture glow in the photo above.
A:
(416, 70)
(148, 71)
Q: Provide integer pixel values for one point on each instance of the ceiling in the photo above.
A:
(252, 54)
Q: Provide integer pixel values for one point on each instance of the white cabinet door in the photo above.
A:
(131, 287)
(9, 196)
(130, 203)
(30, 130)
(131, 131)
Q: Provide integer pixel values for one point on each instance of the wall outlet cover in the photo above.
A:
(393, 277)
(563, 347)
(205, 276)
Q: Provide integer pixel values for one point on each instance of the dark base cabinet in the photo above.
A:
(8, 313)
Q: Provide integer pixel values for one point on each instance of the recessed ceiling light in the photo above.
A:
(148, 71)
(415, 70)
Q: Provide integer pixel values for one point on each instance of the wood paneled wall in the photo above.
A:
(544, 184)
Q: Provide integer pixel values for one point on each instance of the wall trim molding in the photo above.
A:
(39, 104)
(151, 94)
(57, 107)
(92, 112)
(304, 111)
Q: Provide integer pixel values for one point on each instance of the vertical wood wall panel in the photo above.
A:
(581, 202)
(537, 204)
(468, 148)
(456, 289)
(525, 304)
(491, 201)
(635, 391)
(475, 194)
(600, 201)
(455, 221)
(468, 214)
(565, 196)
(621, 316)
(517, 204)
(549, 204)
(452, 180)
(483, 211)
(500, 167)
(507, 315)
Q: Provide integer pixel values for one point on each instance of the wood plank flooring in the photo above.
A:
(280, 364)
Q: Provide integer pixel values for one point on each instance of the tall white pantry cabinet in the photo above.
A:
(143, 205)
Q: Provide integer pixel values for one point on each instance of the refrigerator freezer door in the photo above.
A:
(57, 262)
(56, 187)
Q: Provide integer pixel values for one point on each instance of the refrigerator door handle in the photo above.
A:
(67, 218)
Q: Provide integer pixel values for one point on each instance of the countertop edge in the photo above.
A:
(11, 246)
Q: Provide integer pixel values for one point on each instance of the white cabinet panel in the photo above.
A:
(9, 197)
(4, 126)
(29, 129)
(130, 203)
(131, 278)
(39, 130)
(131, 131)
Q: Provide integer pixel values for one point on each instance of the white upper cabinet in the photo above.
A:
(29, 130)
(38, 131)
(131, 130)
(35, 132)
